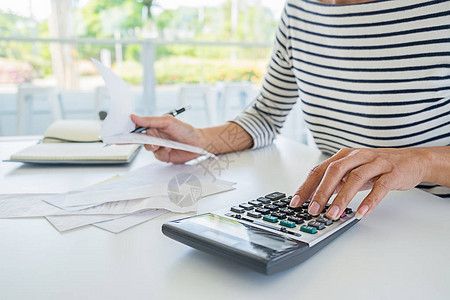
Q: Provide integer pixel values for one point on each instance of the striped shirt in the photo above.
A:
(374, 74)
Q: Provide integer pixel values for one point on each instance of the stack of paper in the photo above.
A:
(122, 202)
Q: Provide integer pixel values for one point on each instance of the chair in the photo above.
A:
(26, 94)
(189, 92)
(242, 91)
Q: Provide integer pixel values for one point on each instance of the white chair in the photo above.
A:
(26, 94)
(239, 91)
(192, 91)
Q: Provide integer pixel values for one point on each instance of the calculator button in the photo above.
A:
(255, 203)
(263, 211)
(254, 214)
(275, 196)
(270, 219)
(324, 220)
(246, 206)
(348, 210)
(296, 209)
(287, 223)
(263, 200)
(308, 229)
(286, 211)
(317, 225)
(305, 205)
(305, 216)
(237, 209)
(279, 215)
(285, 200)
(271, 207)
(297, 220)
(280, 204)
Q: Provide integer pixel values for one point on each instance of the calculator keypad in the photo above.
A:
(273, 211)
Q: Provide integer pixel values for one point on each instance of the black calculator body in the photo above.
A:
(262, 234)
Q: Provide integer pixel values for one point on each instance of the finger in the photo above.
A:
(380, 189)
(356, 180)
(152, 148)
(152, 122)
(309, 187)
(333, 176)
(163, 154)
(153, 132)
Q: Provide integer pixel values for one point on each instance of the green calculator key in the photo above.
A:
(270, 218)
(287, 223)
(308, 229)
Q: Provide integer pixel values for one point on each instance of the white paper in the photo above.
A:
(156, 181)
(99, 195)
(27, 205)
(32, 205)
(117, 126)
(121, 105)
(139, 138)
(131, 206)
(64, 223)
(123, 223)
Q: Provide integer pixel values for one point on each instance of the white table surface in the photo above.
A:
(400, 251)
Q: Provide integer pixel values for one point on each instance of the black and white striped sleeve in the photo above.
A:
(265, 116)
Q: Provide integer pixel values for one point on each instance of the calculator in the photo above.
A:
(264, 234)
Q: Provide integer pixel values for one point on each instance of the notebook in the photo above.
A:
(79, 131)
(76, 153)
(75, 142)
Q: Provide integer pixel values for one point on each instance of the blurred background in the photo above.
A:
(210, 54)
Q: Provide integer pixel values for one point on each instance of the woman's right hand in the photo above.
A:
(170, 128)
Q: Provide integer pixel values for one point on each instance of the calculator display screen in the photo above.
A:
(243, 236)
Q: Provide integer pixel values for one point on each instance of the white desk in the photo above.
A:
(400, 251)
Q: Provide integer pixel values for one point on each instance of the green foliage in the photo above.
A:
(178, 69)
(175, 63)
(121, 15)
(131, 72)
(133, 52)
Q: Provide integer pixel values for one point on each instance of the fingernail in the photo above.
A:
(361, 212)
(295, 201)
(314, 208)
(333, 212)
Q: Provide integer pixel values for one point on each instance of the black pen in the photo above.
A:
(172, 113)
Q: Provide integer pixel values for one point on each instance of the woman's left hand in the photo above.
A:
(352, 170)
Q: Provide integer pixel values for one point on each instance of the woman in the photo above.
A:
(373, 78)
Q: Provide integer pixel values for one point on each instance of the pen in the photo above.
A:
(173, 113)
